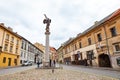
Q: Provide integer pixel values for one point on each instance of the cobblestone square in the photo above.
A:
(59, 74)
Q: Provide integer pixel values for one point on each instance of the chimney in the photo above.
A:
(95, 22)
(2, 24)
(79, 34)
(9, 28)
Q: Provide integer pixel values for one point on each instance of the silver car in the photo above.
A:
(27, 63)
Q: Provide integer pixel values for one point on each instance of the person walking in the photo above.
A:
(38, 62)
(54, 63)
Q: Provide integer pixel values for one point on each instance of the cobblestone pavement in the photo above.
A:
(97, 71)
(59, 74)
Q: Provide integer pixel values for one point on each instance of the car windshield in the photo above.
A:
(25, 61)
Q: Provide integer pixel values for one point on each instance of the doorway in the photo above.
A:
(9, 61)
(104, 60)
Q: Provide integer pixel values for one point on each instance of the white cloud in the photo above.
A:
(69, 17)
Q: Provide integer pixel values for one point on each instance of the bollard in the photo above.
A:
(52, 70)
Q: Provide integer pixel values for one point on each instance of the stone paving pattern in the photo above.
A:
(59, 74)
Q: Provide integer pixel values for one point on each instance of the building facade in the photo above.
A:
(53, 56)
(60, 54)
(40, 46)
(30, 52)
(97, 46)
(16, 49)
(11, 43)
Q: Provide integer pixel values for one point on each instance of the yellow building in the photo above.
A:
(107, 37)
(68, 51)
(40, 46)
(11, 45)
(97, 46)
(60, 54)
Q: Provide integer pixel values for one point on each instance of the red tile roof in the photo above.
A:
(117, 12)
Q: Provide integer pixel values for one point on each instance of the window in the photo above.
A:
(4, 59)
(7, 36)
(80, 55)
(24, 55)
(12, 39)
(6, 47)
(25, 46)
(21, 54)
(17, 42)
(90, 55)
(65, 51)
(22, 44)
(99, 37)
(89, 41)
(117, 47)
(80, 45)
(16, 51)
(11, 48)
(75, 47)
(113, 31)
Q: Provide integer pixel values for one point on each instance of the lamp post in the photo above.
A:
(46, 21)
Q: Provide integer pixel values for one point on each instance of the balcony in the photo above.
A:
(11, 42)
(7, 40)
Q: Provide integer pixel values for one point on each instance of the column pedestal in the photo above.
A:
(46, 55)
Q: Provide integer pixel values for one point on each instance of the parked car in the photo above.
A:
(27, 63)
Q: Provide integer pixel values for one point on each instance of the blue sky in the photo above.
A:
(69, 17)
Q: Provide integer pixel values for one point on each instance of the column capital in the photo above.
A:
(47, 33)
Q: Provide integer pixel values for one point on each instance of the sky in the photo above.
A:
(68, 17)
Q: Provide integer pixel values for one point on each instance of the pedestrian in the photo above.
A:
(38, 61)
(54, 63)
(38, 64)
(50, 63)
(86, 62)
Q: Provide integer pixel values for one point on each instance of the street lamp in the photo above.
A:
(0, 49)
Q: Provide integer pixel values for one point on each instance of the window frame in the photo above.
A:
(89, 41)
(7, 36)
(113, 31)
(11, 48)
(116, 44)
(80, 44)
(6, 47)
(4, 59)
(12, 39)
(99, 37)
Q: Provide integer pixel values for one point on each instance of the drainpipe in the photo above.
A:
(96, 61)
(108, 46)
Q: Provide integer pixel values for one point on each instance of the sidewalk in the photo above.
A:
(10, 67)
(14, 66)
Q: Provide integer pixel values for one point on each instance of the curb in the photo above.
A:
(92, 67)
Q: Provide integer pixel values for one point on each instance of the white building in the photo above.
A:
(29, 52)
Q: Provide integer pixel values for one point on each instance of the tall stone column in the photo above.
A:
(46, 21)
